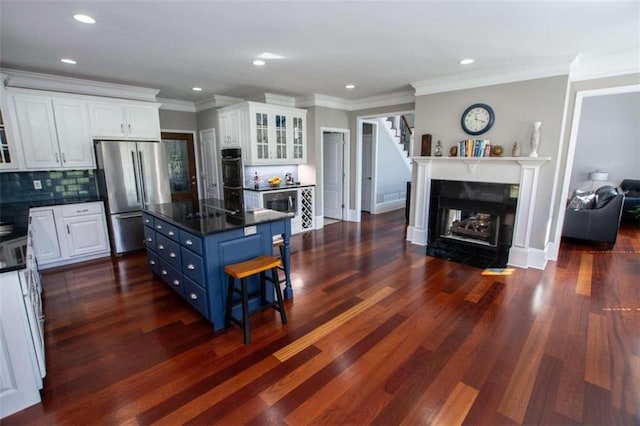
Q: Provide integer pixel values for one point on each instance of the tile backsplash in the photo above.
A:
(265, 172)
(17, 192)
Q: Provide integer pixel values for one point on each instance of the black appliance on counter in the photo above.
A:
(232, 178)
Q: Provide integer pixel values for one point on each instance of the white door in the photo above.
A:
(38, 132)
(210, 160)
(333, 169)
(74, 133)
(85, 235)
(367, 165)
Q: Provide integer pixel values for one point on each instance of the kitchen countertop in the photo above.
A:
(209, 216)
(262, 188)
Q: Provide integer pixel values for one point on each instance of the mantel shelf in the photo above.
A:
(472, 162)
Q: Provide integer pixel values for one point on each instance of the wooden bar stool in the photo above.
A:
(241, 271)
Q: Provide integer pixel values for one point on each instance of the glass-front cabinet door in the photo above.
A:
(8, 141)
(281, 137)
(298, 140)
(262, 135)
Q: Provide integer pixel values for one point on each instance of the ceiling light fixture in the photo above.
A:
(267, 55)
(68, 61)
(350, 86)
(259, 62)
(466, 61)
(85, 19)
(197, 89)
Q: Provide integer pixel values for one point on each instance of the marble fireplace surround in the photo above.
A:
(512, 170)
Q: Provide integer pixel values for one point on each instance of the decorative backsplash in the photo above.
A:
(17, 192)
(265, 172)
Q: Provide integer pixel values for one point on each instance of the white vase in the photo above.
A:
(535, 139)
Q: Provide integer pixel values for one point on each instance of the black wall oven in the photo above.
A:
(232, 178)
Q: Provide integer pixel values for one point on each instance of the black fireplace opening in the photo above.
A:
(472, 222)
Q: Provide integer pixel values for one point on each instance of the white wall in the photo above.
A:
(608, 138)
(392, 171)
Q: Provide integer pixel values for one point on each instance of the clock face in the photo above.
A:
(477, 119)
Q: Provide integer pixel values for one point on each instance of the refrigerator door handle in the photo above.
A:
(142, 177)
(137, 176)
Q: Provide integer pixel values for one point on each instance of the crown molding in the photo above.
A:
(397, 98)
(38, 81)
(176, 105)
(589, 67)
(322, 101)
(491, 77)
(216, 101)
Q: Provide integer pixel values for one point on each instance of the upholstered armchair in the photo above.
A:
(597, 219)
(631, 189)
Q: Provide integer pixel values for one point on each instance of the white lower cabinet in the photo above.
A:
(77, 231)
(304, 218)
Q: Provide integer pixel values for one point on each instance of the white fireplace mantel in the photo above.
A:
(514, 170)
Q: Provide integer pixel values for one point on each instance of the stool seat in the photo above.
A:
(243, 270)
(252, 266)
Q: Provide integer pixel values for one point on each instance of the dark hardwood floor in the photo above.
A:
(378, 333)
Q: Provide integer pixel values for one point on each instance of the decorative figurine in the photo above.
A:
(535, 139)
(438, 150)
(515, 152)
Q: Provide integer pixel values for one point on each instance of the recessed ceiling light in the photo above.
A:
(350, 86)
(466, 61)
(259, 62)
(68, 61)
(85, 19)
(267, 55)
(197, 89)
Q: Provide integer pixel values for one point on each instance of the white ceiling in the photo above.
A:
(381, 47)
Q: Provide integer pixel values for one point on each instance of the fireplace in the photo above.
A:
(472, 222)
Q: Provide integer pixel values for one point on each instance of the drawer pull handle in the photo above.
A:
(160, 247)
(189, 242)
(152, 262)
(172, 254)
(193, 296)
(176, 283)
(171, 233)
(163, 272)
(82, 211)
(191, 267)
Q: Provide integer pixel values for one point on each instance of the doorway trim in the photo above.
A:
(374, 165)
(196, 149)
(571, 151)
(346, 182)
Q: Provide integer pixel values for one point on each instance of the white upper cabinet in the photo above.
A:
(124, 121)
(268, 134)
(54, 132)
(10, 153)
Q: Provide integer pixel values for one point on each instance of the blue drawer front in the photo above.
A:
(191, 242)
(196, 296)
(152, 260)
(148, 220)
(167, 229)
(171, 276)
(193, 266)
(168, 250)
(150, 238)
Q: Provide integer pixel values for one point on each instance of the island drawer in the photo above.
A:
(168, 250)
(150, 237)
(148, 220)
(191, 242)
(81, 209)
(152, 259)
(167, 229)
(196, 296)
(193, 266)
(171, 276)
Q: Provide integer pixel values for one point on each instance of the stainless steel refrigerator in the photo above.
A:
(131, 176)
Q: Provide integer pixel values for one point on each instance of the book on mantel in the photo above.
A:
(474, 148)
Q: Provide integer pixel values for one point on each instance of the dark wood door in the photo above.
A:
(181, 159)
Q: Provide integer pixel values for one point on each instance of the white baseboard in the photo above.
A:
(416, 236)
(55, 264)
(388, 206)
(527, 258)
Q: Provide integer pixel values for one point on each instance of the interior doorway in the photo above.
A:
(369, 132)
(334, 172)
(181, 159)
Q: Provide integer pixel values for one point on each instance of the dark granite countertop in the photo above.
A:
(277, 188)
(209, 216)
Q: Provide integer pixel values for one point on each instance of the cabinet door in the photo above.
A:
(261, 128)
(280, 149)
(107, 120)
(298, 145)
(10, 157)
(85, 235)
(229, 130)
(37, 131)
(74, 134)
(142, 122)
(45, 237)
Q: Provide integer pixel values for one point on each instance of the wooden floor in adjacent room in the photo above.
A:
(378, 333)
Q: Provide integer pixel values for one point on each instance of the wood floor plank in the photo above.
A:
(598, 366)
(583, 285)
(457, 406)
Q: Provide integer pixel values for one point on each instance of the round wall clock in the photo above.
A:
(477, 119)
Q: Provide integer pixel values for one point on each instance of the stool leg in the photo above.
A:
(227, 316)
(276, 285)
(284, 266)
(245, 312)
(263, 290)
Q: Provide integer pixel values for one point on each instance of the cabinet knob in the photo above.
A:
(171, 233)
(152, 262)
(159, 226)
(163, 272)
(172, 254)
(176, 283)
(149, 239)
(191, 267)
(193, 296)
(188, 242)
(147, 221)
(160, 247)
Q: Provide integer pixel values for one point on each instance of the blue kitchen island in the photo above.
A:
(189, 243)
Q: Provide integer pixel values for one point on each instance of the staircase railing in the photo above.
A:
(405, 135)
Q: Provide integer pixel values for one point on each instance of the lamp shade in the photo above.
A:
(598, 176)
